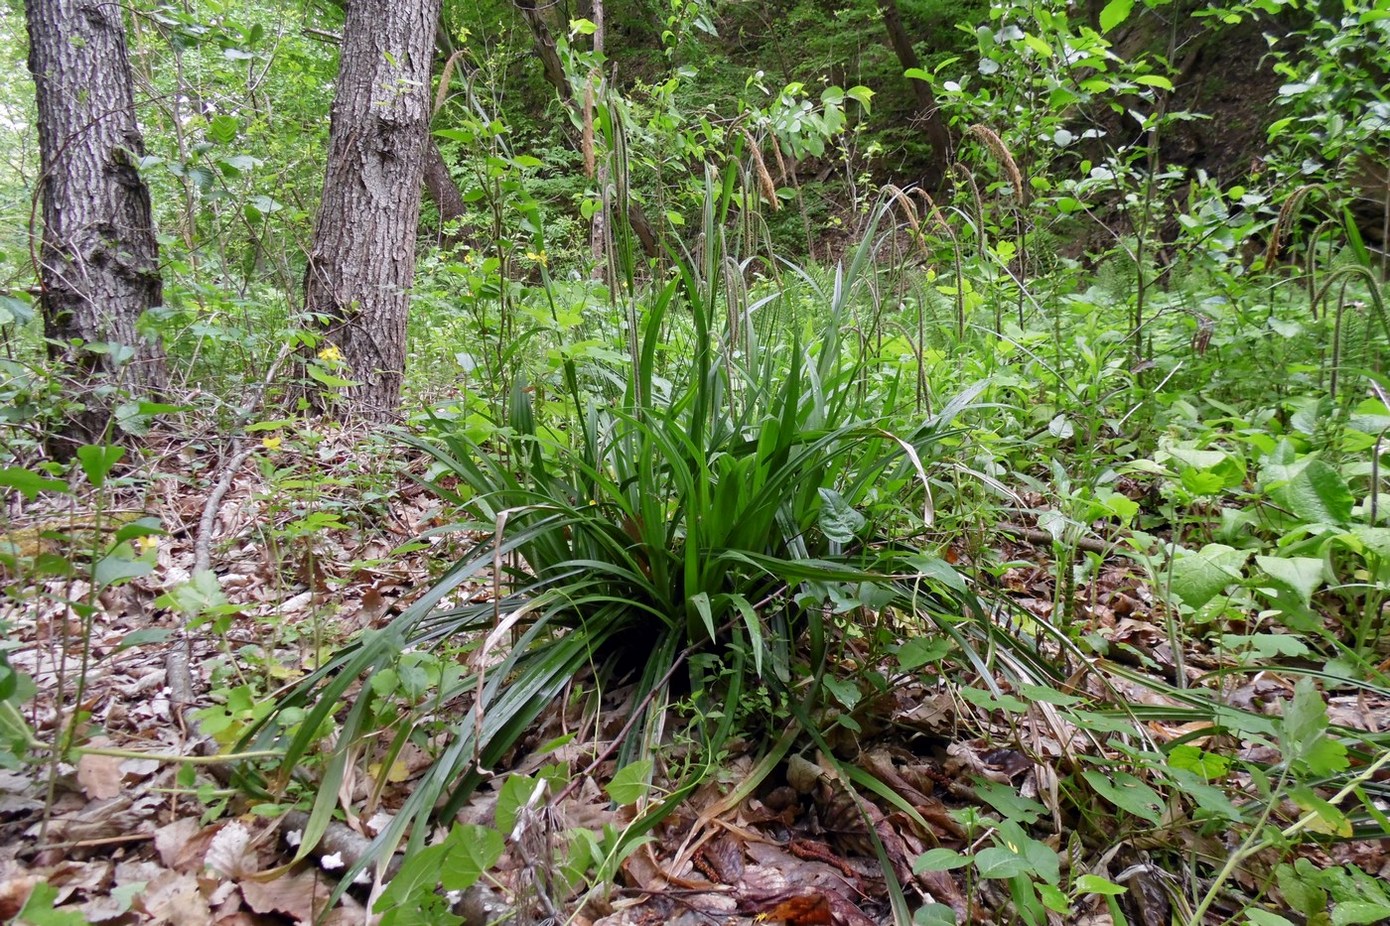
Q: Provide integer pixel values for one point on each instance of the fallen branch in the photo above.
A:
(1041, 538)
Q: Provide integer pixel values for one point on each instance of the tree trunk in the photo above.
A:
(938, 136)
(363, 256)
(98, 260)
(443, 191)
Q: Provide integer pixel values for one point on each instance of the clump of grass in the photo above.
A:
(724, 504)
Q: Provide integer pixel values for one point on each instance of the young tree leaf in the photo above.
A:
(1114, 13)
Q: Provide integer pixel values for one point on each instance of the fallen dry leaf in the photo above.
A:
(99, 776)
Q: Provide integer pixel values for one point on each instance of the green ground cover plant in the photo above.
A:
(1016, 550)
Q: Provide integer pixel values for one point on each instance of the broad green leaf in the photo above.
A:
(14, 310)
(934, 914)
(1301, 574)
(1154, 80)
(1304, 731)
(30, 484)
(118, 568)
(142, 527)
(1039, 47)
(1094, 884)
(916, 652)
(844, 690)
(419, 874)
(939, 859)
(38, 909)
(838, 519)
(1358, 912)
(934, 567)
(1127, 793)
(1114, 13)
(1210, 799)
(990, 701)
(1327, 818)
(1265, 918)
(473, 850)
(629, 783)
(1208, 765)
(201, 593)
(97, 461)
(328, 379)
(516, 792)
(143, 636)
(1311, 490)
(863, 96)
(999, 862)
(1375, 540)
(1054, 898)
(1009, 802)
(1199, 576)
(1266, 645)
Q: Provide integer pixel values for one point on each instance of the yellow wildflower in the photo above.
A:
(331, 354)
(539, 257)
(270, 443)
(145, 544)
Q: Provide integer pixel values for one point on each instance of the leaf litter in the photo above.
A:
(124, 836)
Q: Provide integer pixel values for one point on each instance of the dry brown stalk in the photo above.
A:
(442, 94)
(769, 189)
(1001, 153)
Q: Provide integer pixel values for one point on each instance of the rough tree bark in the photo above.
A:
(363, 255)
(98, 261)
(442, 190)
(933, 125)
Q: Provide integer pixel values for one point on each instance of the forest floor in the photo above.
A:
(143, 828)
